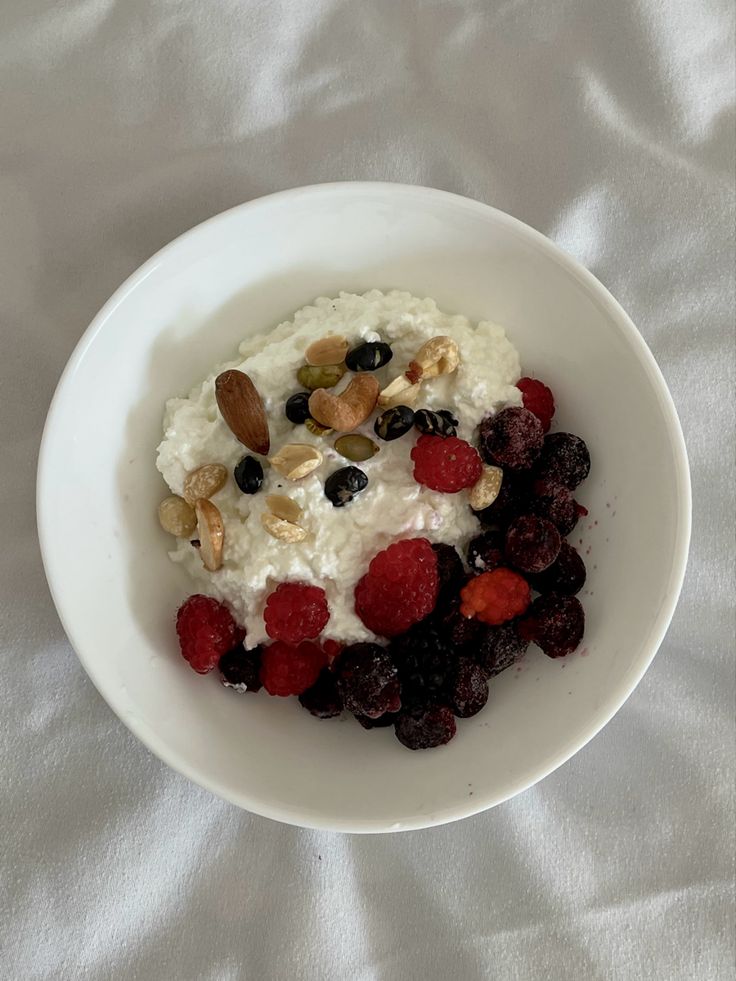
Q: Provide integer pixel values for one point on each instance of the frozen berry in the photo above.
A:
(367, 680)
(485, 552)
(501, 647)
(513, 499)
(538, 399)
(400, 587)
(456, 630)
(496, 596)
(564, 460)
(425, 728)
(555, 503)
(555, 623)
(287, 670)
(206, 631)
(468, 690)
(296, 611)
(241, 669)
(424, 662)
(382, 722)
(566, 575)
(513, 438)
(532, 544)
(448, 465)
(450, 571)
(322, 699)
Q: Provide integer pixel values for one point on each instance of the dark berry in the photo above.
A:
(468, 690)
(513, 500)
(367, 680)
(450, 571)
(555, 623)
(425, 728)
(538, 399)
(532, 544)
(555, 503)
(461, 633)
(382, 722)
(513, 438)
(394, 422)
(323, 699)
(297, 408)
(566, 575)
(500, 648)
(241, 669)
(434, 423)
(368, 356)
(448, 416)
(564, 460)
(485, 551)
(342, 485)
(249, 475)
(424, 662)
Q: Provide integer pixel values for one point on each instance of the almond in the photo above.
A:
(327, 350)
(204, 482)
(211, 533)
(401, 391)
(242, 409)
(350, 408)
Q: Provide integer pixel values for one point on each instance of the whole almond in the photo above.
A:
(242, 409)
(204, 482)
(211, 534)
(327, 350)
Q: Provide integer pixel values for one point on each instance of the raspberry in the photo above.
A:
(566, 575)
(532, 544)
(564, 460)
(296, 612)
(425, 728)
(513, 438)
(424, 662)
(494, 597)
(322, 699)
(206, 630)
(287, 670)
(400, 587)
(502, 646)
(555, 623)
(468, 691)
(241, 669)
(538, 399)
(513, 499)
(485, 552)
(555, 503)
(382, 722)
(367, 680)
(450, 571)
(445, 464)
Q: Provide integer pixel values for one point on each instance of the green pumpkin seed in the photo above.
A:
(356, 447)
(320, 376)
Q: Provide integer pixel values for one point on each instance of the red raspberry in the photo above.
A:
(537, 398)
(495, 597)
(287, 670)
(445, 464)
(400, 587)
(296, 612)
(206, 631)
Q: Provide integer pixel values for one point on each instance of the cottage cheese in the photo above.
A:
(341, 541)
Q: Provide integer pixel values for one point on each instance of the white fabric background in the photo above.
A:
(607, 125)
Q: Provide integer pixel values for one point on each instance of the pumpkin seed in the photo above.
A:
(320, 376)
(356, 447)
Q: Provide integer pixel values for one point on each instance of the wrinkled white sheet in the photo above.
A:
(607, 125)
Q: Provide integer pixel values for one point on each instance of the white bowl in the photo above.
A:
(184, 311)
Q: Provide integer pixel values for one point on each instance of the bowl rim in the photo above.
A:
(465, 807)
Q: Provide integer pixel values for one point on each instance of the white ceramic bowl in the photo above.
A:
(184, 311)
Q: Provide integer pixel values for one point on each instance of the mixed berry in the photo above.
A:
(445, 624)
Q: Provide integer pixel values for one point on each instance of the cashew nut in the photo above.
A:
(346, 411)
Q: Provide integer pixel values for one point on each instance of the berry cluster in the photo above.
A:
(449, 627)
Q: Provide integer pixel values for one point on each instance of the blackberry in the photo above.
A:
(424, 662)
(485, 552)
(532, 544)
(566, 575)
(564, 460)
(425, 727)
(500, 648)
(241, 669)
(322, 699)
(457, 631)
(468, 689)
(367, 680)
